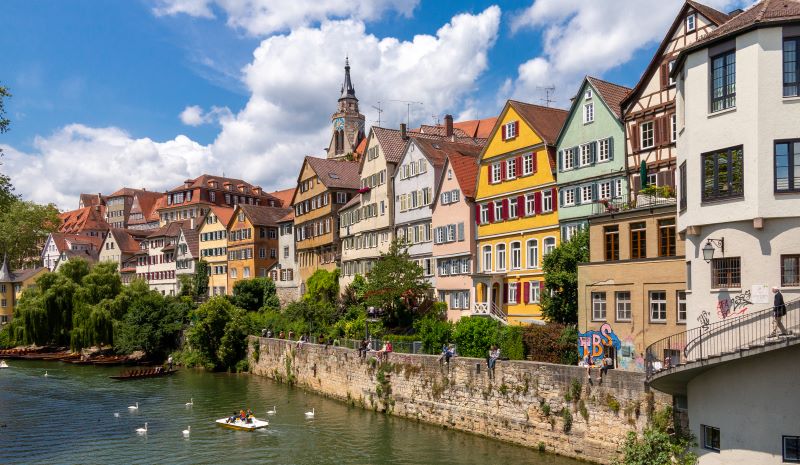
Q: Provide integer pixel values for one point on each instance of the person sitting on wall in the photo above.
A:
(606, 364)
(494, 355)
(589, 365)
(362, 349)
(281, 335)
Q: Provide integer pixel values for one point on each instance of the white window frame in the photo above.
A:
(513, 207)
(603, 150)
(623, 305)
(586, 194)
(647, 128)
(516, 255)
(497, 172)
(547, 201)
(670, 67)
(599, 307)
(681, 301)
(484, 213)
(534, 294)
(511, 130)
(586, 155)
(567, 158)
(673, 128)
(569, 197)
(604, 190)
(527, 164)
(513, 293)
(530, 205)
(662, 304)
(498, 211)
(500, 255)
(588, 113)
(511, 168)
(548, 246)
(487, 258)
(691, 22)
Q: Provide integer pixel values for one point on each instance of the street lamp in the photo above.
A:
(708, 249)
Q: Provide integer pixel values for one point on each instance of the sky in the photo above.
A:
(148, 93)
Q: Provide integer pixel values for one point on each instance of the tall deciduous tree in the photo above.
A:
(24, 226)
(6, 188)
(396, 285)
(560, 299)
(201, 278)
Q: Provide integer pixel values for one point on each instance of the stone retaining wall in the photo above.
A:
(524, 404)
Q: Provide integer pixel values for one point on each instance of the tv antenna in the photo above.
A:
(408, 108)
(435, 120)
(548, 92)
(380, 110)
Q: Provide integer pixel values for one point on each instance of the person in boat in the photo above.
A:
(232, 418)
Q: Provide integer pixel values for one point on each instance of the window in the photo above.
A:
(516, 255)
(286, 251)
(501, 257)
(690, 23)
(791, 449)
(534, 292)
(681, 306)
(791, 69)
(496, 173)
(710, 438)
(588, 113)
(233, 273)
(790, 270)
(527, 164)
(598, 306)
(723, 174)
(666, 237)
(569, 197)
(567, 156)
(787, 166)
(549, 245)
(586, 194)
(511, 130)
(648, 135)
(658, 306)
(533, 253)
(683, 199)
(569, 231)
(487, 258)
(604, 150)
(484, 214)
(498, 211)
(670, 67)
(723, 81)
(530, 205)
(623, 299)
(638, 240)
(605, 190)
(588, 94)
(547, 201)
(512, 208)
(262, 253)
(611, 242)
(513, 293)
(511, 168)
(725, 272)
(586, 154)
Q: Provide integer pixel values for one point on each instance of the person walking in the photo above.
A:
(778, 312)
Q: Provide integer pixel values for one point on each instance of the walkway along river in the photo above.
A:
(69, 417)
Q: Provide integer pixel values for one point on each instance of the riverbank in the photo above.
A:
(537, 405)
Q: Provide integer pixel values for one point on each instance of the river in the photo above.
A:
(68, 417)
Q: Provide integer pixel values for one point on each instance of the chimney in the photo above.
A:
(403, 133)
(448, 125)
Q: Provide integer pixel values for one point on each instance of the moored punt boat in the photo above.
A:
(143, 373)
(240, 425)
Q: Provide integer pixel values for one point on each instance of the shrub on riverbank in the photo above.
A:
(551, 343)
(659, 444)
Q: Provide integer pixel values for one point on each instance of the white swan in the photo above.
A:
(116, 414)
(273, 411)
(45, 373)
(134, 407)
(142, 430)
(187, 431)
(190, 403)
(311, 413)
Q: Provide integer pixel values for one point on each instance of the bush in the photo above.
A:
(551, 343)
(511, 345)
(475, 335)
(567, 417)
(656, 446)
(433, 332)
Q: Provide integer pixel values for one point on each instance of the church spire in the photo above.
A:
(347, 87)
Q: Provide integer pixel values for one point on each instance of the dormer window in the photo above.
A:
(588, 94)
(690, 23)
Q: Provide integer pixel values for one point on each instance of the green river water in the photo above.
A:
(68, 417)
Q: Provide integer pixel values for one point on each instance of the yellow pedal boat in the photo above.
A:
(240, 425)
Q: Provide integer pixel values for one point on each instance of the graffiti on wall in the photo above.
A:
(594, 343)
(737, 305)
(704, 320)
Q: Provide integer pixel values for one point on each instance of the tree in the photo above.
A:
(434, 331)
(24, 226)
(323, 287)
(186, 285)
(474, 336)
(219, 333)
(201, 278)
(560, 299)
(396, 285)
(7, 195)
(657, 446)
(255, 294)
(152, 324)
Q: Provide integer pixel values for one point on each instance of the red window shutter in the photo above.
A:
(477, 213)
(503, 170)
(489, 173)
(664, 77)
(554, 196)
(541, 290)
(526, 292)
(657, 136)
(535, 162)
(521, 206)
(505, 209)
(633, 135)
(537, 202)
(491, 212)
(505, 293)
(519, 166)
(503, 128)
(516, 128)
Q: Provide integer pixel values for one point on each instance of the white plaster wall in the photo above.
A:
(753, 401)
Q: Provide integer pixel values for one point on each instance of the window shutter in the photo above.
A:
(519, 166)
(637, 184)
(610, 148)
(575, 154)
(505, 293)
(491, 212)
(541, 290)
(503, 170)
(526, 293)
(477, 213)
(593, 152)
(666, 133)
(657, 135)
(460, 232)
(669, 179)
(535, 161)
(516, 127)
(505, 209)
(633, 135)
(521, 206)
(660, 178)
(594, 191)
(503, 128)
(664, 75)
(489, 173)
(558, 162)
(554, 196)
(537, 202)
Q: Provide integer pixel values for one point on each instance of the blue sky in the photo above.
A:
(99, 87)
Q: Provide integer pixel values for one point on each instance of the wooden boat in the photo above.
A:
(240, 425)
(142, 374)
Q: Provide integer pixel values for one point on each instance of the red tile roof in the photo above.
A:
(129, 192)
(481, 128)
(90, 200)
(287, 217)
(612, 94)
(354, 201)
(192, 238)
(437, 150)
(362, 146)
(128, 240)
(340, 174)
(223, 213)
(763, 13)
(170, 230)
(260, 215)
(285, 196)
(465, 168)
(146, 203)
(546, 121)
(83, 219)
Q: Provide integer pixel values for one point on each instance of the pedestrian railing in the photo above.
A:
(491, 310)
(625, 203)
(725, 337)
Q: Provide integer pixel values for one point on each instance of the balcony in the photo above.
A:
(648, 197)
(671, 362)
(491, 310)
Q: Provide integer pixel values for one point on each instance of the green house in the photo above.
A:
(592, 176)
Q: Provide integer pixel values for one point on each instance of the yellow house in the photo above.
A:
(11, 286)
(214, 248)
(516, 211)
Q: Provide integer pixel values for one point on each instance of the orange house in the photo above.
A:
(252, 241)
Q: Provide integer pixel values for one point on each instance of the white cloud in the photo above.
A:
(264, 17)
(581, 37)
(79, 159)
(294, 81)
(195, 116)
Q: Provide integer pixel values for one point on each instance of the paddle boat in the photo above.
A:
(237, 424)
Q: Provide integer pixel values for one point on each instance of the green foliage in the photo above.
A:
(201, 278)
(551, 343)
(658, 191)
(566, 415)
(24, 226)
(186, 285)
(255, 294)
(560, 299)
(7, 196)
(612, 403)
(545, 409)
(474, 336)
(510, 342)
(396, 285)
(656, 446)
(151, 324)
(583, 410)
(575, 389)
(353, 295)
(434, 332)
(323, 287)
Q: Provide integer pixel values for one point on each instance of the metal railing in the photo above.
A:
(724, 337)
(625, 203)
(489, 309)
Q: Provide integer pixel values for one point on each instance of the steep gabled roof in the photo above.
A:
(339, 174)
(479, 128)
(82, 219)
(465, 169)
(716, 17)
(127, 240)
(129, 192)
(146, 203)
(437, 151)
(285, 196)
(288, 217)
(260, 215)
(354, 201)
(224, 214)
(392, 143)
(192, 239)
(611, 93)
(90, 200)
(170, 230)
(546, 121)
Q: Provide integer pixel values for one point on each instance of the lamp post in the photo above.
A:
(708, 249)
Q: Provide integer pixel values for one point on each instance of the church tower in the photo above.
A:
(348, 123)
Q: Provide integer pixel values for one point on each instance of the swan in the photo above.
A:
(45, 373)
(116, 414)
(190, 403)
(187, 431)
(142, 430)
(273, 411)
(134, 407)
(311, 413)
